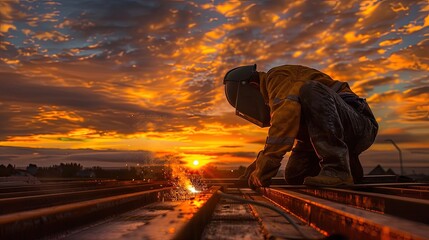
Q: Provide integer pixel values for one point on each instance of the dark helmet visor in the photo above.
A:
(246, 99)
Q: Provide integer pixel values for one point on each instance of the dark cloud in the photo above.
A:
(366, 86)
(16, 88)
(21, 156)
(230, 146)
(98, 111)
(417, 91)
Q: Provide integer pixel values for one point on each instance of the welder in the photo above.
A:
(321, 120)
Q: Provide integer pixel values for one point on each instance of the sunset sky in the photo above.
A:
(115, 82)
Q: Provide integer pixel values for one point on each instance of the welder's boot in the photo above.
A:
(335, 166)
(329, 177)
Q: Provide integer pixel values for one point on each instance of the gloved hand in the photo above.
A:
(248, 171)
(254, 181)
(266, 168)
(243, 179)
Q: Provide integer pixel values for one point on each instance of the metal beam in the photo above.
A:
(45, 221)
(416, 209)
(336, 218)
(185, 221)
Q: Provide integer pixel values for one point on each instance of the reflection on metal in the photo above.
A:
(275, 226)
(20, 203)
(42, 221)
(405, 192)
(361, 211)
(416, 209)
(185, 221)
(332, 217)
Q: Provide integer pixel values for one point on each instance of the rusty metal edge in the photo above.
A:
(336, 218)
(194, 228)
(387, 204)
(45, 221)
(405, 192)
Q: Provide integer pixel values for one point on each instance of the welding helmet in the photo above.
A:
(245, 97)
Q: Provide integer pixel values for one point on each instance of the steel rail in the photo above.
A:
(71, 189)
(41, 222)
(336, 218)
(416, 209)
(185, 221)
(59, 185)
(405, 192)
(16, 204)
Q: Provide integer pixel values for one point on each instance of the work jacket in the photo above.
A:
(280, 88)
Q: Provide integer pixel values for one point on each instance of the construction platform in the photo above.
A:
(153, 211)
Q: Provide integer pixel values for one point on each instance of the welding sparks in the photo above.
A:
(192, 189)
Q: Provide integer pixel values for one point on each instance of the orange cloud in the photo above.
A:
(52, 36)
(390, 42)
(413, 27)
(6, 9)
(5, 27)
(228, 8)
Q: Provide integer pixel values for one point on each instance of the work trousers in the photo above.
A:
(335, 128)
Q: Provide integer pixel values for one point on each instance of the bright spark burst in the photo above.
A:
(192, 189)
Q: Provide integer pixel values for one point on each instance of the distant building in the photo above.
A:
(390, 172)
(378, 170)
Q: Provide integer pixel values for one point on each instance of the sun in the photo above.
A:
(196, 163)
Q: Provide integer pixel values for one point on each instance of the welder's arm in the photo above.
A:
(285, 119)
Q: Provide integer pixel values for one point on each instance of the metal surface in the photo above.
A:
(367, 179)
(405, 192)
(122, 226)
(233, 220)
(274, 226)
(45, 221)
(58, 185)
(336, 218)
(39, 189)
(361, 211)
(184, 221)
(15, 204)
(416, 209)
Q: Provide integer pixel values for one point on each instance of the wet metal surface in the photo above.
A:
(275, 226)
(44, 221)
(233, 220)
(123, 226)
(170, 220)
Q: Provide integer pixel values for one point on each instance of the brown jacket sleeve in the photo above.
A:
(282, 90)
